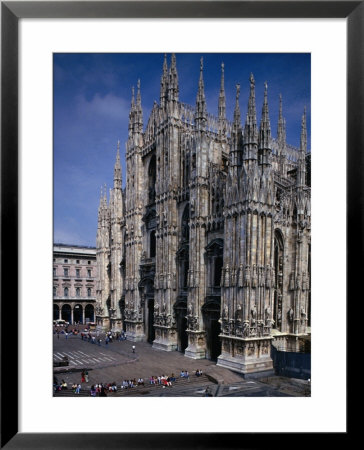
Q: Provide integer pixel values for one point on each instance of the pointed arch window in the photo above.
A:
(152, 244)
(152, 179)
(185, 223)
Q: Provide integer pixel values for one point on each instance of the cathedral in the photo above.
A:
(207, 249)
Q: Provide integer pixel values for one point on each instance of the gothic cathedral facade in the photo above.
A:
(207, 249)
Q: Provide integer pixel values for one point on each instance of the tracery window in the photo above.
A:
(152, 179)
(152, 244)
(185, 225)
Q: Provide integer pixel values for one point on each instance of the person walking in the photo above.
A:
(86, 376)
(83, 377)
(133, 347)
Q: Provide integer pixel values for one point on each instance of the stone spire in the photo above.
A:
(138, 119)
(117, 170)
(281, 130)
(237, 116)
(222, 105)
(100, 206)
(301, 167)
(164, 83)
(281, 137)
(173, 89)
(104, 200)
(236, 133)
(264, 131)
(132, 112)
(303, 141)
(250, 140)
(201, 113)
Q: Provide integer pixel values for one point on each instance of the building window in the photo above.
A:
(88, 292)
(54, 271)
(77, 261)
(66, 291)
(54, 291)
(66, 261)
(78, 292)
(65, 272)
(88, 262)
(77, 273)
(152, 244)
(218, 269)
(89, 273)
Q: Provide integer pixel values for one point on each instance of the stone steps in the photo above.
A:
(139, 391)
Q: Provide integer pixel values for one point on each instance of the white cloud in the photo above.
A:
(108, 107)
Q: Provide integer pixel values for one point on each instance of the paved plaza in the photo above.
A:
(114, 362)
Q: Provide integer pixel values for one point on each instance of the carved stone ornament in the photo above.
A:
(261, 277)
(225, 311)
(99, 309)
(222, 279)
(305, 282)
(290, 315)
(238, 313)
(241, 276)
(267, 315)
(254, 277)
(291, 282)
(227, 276)
(298, 281)
(253, 313)
(246, 328)
(268, 277)
(247, 276)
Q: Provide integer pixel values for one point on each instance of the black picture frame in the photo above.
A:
(11, 12)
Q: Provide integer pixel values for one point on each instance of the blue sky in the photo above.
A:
(92, 95)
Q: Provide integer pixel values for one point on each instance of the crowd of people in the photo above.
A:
(102, 389)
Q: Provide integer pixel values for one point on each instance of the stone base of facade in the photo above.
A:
(116, 325)
(246, 356)
(165, 339)
(165, 346)
(287, 342)
(102, 323)
(196, 345)
(135, 331)
(247, 368)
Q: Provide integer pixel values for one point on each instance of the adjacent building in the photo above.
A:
(74, 274)
(207, 249)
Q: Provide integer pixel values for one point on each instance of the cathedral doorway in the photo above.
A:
(211, 316)
(122, 311)
(278, 282)
(146, 287)
(66, 313)
(180, 309)
(182, 341)
(150, 324)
